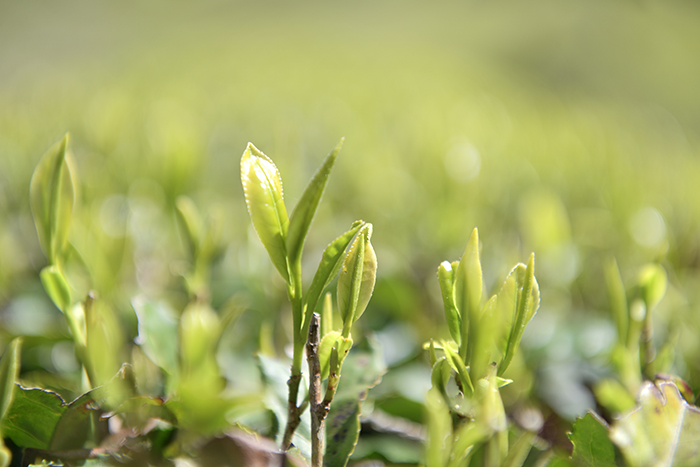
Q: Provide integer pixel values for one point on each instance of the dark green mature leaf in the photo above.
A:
(329, 266)
(305, 210)
(40, 419)
(9, 370)
(592, 447)
(362, 370)
(56, 287)
(262, 186)
(663, 430)
(446, 278)
(158, 333)
(51, 198)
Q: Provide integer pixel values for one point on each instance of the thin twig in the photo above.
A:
(317, 414)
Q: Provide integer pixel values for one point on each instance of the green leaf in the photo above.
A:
(40, 419)
(56, 287)
(439, 434)
(663, 430)
(357, 277)
(324, 351)
(446, 277)
(592, 447)
(262, 186)
(363, 370)
(612, 395)
(618, 300)
(458, 365)
(327, 315)
(9, 371)
(653, 281)
(274, 375)
(158, 333)
(305, 210)
(483, 337)
(190, 223)
(51, 199)
(468, 287)
(331, 260)
(528, 303)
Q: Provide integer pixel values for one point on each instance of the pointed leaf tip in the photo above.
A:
(262, 186)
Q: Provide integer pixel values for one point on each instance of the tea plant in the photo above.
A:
(351, 255)
(485, 337)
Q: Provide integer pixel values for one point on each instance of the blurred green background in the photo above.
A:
(565, 127)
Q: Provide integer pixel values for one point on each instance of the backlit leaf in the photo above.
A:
(305, 210)
(9, 371)
(262, 186)
(51, 197)
(592, 447)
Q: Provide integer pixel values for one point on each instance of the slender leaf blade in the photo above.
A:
(9, 371)
(305, 210)
(331, 260)
(56, 287)
(468, 287)
(262, 186)
(446, 278)
(51, 196)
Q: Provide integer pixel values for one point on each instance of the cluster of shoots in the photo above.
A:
(350, 257)
(465, 409)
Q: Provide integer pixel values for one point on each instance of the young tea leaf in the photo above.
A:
(262, 186)
(653, 281)
(357, 277)
(331, 260)
(468, 287)
(158, 333)
(618, 300)
(190, 223)
(446, 277)
(305, 210)
(56, 287)
(51, 198)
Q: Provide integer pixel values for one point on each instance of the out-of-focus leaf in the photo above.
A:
(158, 333)
(357, 277)
(362, 371)
(653, 281)
(104, 341)
(40, 419)
(331, 260)
(190, 222)
(262, 186)
(612, 395)
(305, 210)
(439, 442)
(592, 447)
(618, 299)
(200, 328)
(467, 437)
(51, 198)
(446, 277)
(73, 428)
(274, 374)
(663, 430)
(9, 370)
(468, 288)
(56, 287)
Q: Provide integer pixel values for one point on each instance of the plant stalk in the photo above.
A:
(293, 410)
(318, 415)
